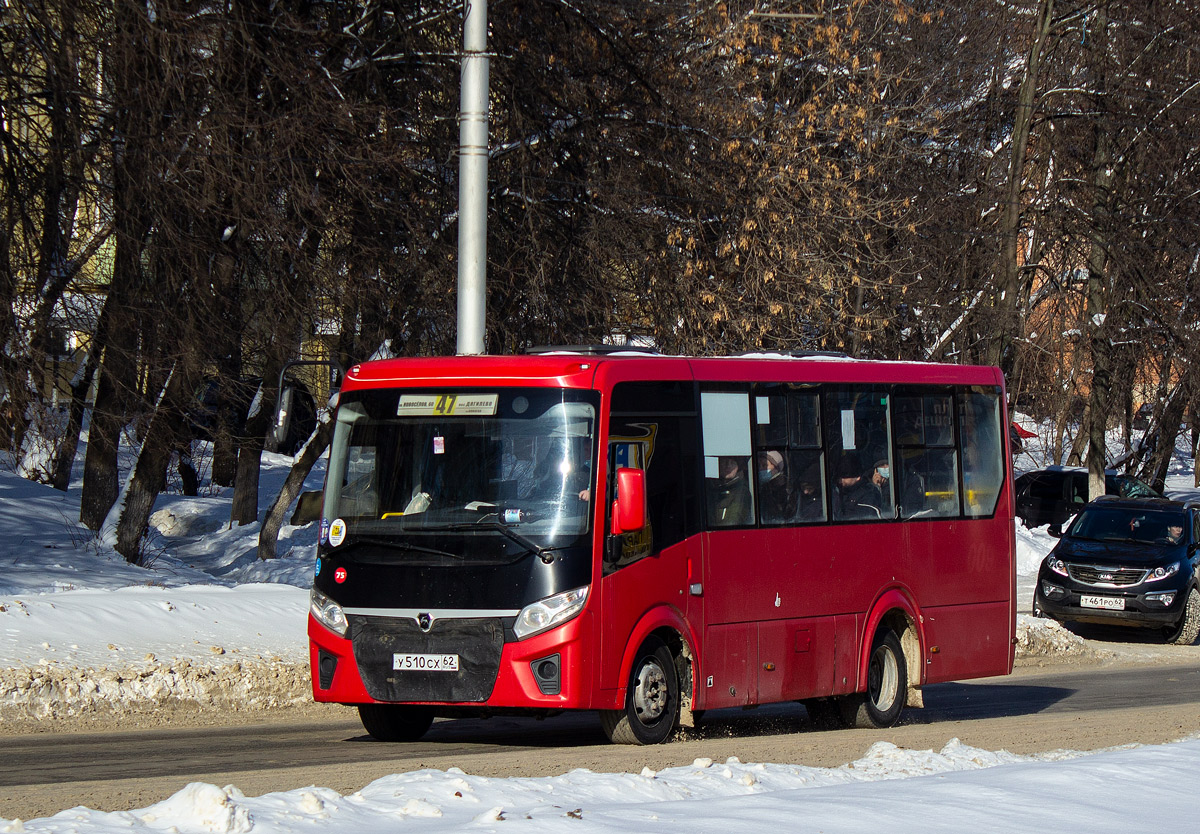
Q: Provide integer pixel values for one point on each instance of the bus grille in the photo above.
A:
(1106, 577)
(477, 643)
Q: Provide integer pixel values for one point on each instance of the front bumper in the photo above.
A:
(493, 674)
(1138, 611)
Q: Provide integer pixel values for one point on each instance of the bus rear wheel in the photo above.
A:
(395, 722)
(651, 710)
(887, 687)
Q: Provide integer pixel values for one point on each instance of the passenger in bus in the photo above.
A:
(773, 494)
(808, 498)
(856, 496)
(729, 502)
(881, 476)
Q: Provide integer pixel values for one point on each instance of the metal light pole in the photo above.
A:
(472, 180)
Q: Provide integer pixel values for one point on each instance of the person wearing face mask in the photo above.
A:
(881, 476)
(773, 494)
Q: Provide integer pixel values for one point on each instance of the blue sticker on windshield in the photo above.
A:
(317, 571)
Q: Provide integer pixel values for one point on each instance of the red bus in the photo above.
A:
(653, 536)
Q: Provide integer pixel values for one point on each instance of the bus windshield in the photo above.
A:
(420, 462)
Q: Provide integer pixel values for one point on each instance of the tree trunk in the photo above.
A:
(1166, 433)
(250, 445)
(1079, 443)
(268, 536)
(68, 444)
(1002, 350)
(150, 471)
(1194, 422)
(1100, 281)
(114, 395)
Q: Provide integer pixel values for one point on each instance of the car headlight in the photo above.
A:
(1163, 572)
(328, 613)
(549, 612)
(1057, 565)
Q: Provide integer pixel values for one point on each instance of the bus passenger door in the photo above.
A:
(646, 572)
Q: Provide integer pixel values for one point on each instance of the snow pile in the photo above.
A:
(105, 653)
(52, 692)
(206, 625)
(1042, 638)
(975, 790)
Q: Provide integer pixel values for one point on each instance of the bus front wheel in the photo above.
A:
(651, 710)
(395, 722)
(887, 687)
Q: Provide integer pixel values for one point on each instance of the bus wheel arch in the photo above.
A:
(895, 611)
(657, 689)
(890, 670)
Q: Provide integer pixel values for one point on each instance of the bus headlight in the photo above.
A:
(549, 612)
(328, 613)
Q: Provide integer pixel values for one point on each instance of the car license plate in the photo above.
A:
(425, 662)
(1108, 603)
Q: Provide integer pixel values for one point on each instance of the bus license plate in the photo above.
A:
(425, 662)
(1108, 603)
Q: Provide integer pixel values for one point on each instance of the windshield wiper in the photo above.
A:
(396, 544)
(543, 553)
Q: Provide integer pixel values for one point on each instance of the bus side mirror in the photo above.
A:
(308, 508)
(629, 510)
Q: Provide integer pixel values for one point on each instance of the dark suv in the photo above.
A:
(1126, 562)
(1051, 496)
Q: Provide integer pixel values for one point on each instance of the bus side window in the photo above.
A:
(806, 459)
(653, 428)
(983, 449)
(858, 445)
(927, 455)
(725, 417)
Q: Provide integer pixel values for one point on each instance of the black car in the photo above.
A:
(1126, 562)
(1051, 496)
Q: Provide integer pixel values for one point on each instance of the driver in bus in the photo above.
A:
(559, 473)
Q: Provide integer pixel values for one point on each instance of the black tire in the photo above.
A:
(651, 711)
(395, 722)
(1188, 629)
(1037, 610)
(887, 687)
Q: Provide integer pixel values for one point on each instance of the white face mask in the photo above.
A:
(884, 472)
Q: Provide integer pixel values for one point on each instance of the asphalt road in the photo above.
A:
(1034, 710)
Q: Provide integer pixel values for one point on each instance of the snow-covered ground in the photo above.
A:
(82, 632)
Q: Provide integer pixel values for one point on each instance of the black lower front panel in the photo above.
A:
(477, 644)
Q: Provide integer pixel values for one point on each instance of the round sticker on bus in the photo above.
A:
(337, 532)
